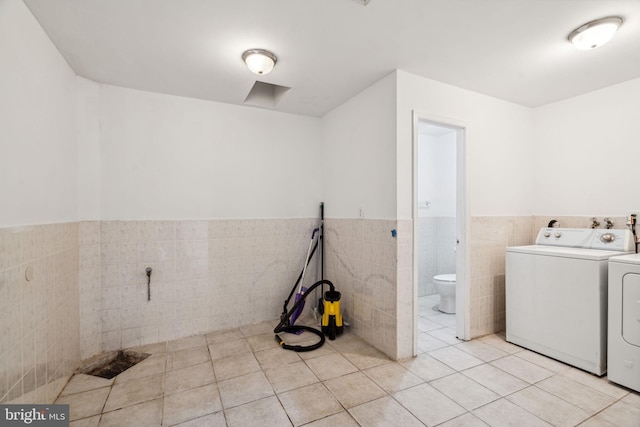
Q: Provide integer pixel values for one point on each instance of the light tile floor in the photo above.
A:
(242, 377)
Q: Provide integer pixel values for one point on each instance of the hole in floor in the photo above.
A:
(110, 364)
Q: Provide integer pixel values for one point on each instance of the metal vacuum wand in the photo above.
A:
(149, 283)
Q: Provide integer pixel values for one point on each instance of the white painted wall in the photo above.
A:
(499, 144)
(586, 156)
(37, 124)
(436, 174)
(359, 140)
(168, 157)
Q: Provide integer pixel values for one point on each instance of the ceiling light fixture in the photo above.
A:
(259, 61)
(595, 33)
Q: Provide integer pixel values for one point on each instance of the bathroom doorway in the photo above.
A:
(439, 234)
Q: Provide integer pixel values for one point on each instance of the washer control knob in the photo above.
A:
(608, 237)
(547, 234)
(558, 235)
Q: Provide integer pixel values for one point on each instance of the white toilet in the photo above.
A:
(446, 286)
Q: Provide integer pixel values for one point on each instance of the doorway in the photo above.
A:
(440, 219)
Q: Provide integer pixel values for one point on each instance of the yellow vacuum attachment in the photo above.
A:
(332, 317)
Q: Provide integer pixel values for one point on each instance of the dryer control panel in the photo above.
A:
(613, 240)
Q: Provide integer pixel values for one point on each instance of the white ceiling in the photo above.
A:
(329, 50)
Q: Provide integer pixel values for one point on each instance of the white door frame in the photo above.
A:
(463, 311)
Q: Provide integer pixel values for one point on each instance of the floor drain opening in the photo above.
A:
(113, 363)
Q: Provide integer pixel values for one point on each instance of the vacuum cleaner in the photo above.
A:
(332, 317)
(331, 324)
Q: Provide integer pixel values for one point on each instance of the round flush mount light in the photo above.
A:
(259, 61)
(595, 33)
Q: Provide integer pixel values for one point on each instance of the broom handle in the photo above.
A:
(306, 260)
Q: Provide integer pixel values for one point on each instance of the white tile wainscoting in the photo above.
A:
(39, 313)
(88, 289)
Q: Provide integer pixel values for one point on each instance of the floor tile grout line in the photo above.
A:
(589, 415)
(392, 395)
(166, 370)
(283, 409)
(347, 410)
(482, 385)
(513, 403)
(500, 397)
(322, 382)
(613, 402)
(343, 353)
(534, 385)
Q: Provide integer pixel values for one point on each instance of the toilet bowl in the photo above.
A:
(445, 285)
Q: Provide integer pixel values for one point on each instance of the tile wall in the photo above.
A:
(39, 345)
(437, 243)
(405, 301)
(206, 275)
(489, 237)
(362, 262)
(90, 289)
(374, 272)
(88, 292)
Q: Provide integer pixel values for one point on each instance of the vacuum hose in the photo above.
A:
(283, 326)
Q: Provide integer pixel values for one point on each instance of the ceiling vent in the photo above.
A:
(265, 94)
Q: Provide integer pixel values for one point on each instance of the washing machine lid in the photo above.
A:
(563, 252)
(627, 259)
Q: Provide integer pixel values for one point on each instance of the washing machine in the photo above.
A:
(624, 321)
(556, 293)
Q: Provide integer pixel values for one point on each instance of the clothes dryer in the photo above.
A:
(624, 321)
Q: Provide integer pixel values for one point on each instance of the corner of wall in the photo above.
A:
(39, 311)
